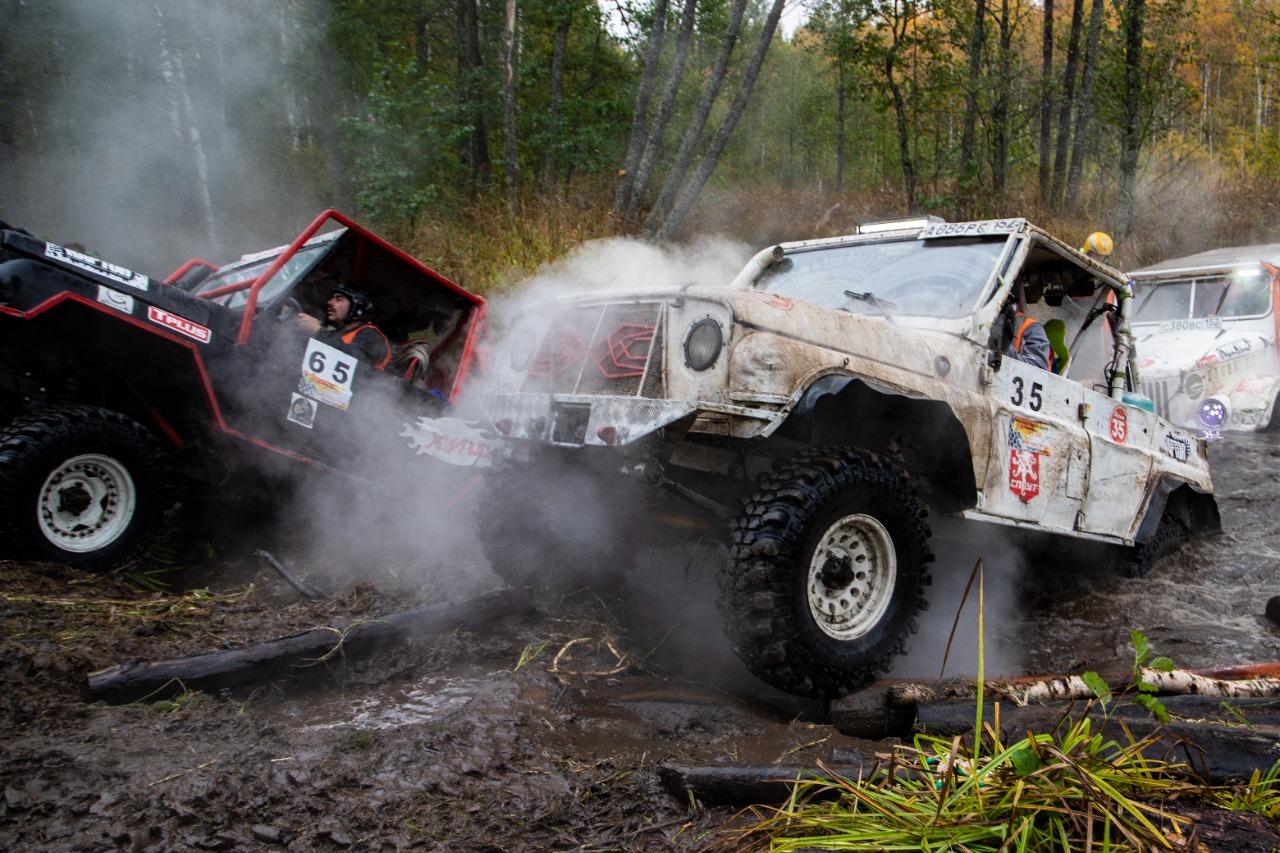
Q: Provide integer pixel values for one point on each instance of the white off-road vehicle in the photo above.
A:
(1206, 325)
(819, 402)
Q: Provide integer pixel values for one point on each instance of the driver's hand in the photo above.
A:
(307, 323)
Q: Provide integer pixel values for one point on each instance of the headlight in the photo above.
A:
(1213, 412)
(703, 343)
(522, 347)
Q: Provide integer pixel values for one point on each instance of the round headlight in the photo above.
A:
(522, 347)
(1213, 412)
(1193, 385)
(703, 343)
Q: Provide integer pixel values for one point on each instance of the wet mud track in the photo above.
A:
(539, 734)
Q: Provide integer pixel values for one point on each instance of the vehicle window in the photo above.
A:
(930, 278)
(283, 280)
(1163, 302)
(1248, 295)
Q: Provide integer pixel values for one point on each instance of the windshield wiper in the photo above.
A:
(881, 305)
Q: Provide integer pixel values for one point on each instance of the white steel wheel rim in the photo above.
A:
(87, 503)
(851, 577)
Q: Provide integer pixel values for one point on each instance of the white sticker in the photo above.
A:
(179, 324)
(302, 411)
(89, 263)
(327, 373)
(452, 440)
(1187, 325)
(119, 301)
(982, 228)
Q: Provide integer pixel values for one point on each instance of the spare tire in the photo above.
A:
(79, 485)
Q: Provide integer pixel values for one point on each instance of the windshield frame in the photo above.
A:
(999, 256)
(1195, 278)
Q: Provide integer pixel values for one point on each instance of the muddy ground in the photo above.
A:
(541, 732)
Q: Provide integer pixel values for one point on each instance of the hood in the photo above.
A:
(1195, 349)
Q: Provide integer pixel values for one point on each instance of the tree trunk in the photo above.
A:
(1000, 109)
(693, 133)
(904, 135)
(1084, 113)
(183, 117)
(622, 200)
(1131, 110)
(1046, 98)
(658, 127)
(555, 135)
(977, 37)
(475, 152)
(300, 655)
(510, 153)
(712, 156)
(841, 97)
(1067, 101)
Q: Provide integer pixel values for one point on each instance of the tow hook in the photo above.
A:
(651, 473)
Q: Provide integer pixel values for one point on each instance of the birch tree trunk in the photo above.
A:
(510, 152)
(712, 156)
(693, 133)
(182, 115)
(666, 106)
(639, 118)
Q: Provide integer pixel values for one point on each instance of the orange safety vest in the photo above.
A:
(1026, 324)
(349, 338)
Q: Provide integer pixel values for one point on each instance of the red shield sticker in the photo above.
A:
(1024, 474)
(1119, 425)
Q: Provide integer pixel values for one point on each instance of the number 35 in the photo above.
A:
(1034, 400)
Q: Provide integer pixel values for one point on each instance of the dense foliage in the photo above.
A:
(213, 124)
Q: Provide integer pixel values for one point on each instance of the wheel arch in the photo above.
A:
(1196, 508)
(927, 434)
(113, 365)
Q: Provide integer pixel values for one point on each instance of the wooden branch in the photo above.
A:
(306, 654)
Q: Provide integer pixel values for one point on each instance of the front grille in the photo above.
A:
(613, 350)
(1160, 390)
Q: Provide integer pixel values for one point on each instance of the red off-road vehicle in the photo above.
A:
(117, 389)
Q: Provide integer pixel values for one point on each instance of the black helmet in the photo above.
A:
(361, 304)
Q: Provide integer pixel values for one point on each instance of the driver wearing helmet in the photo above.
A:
(348, 326)
(1098, 246)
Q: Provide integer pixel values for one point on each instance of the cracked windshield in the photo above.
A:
(910, 277)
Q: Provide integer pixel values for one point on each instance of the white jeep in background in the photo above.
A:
(1206, 325)
(811, 410)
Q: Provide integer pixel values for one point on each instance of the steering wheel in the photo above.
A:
(288, 309)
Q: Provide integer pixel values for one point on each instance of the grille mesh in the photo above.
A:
(601, 350)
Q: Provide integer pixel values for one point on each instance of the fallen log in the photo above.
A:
(1218, 746)
(718, 785)
(887, 707)
(296, 654)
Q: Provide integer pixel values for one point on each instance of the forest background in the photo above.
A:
(490, 136)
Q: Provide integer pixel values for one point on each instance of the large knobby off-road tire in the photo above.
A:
(79, 485)
(1169, 536)
(826, 572)
(547, 524)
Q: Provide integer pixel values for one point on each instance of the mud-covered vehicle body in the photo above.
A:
(118, 391)
(822, 401)
(1206, 325)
